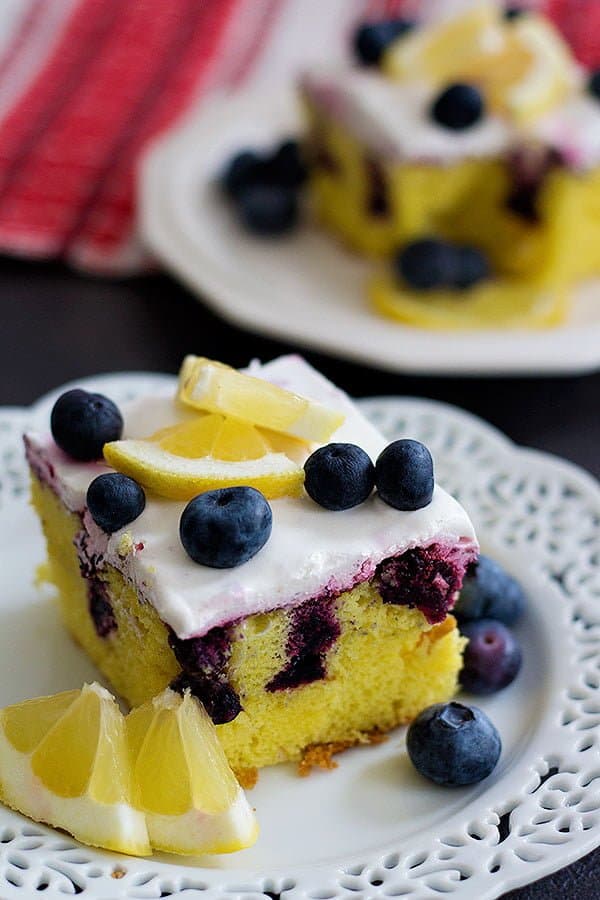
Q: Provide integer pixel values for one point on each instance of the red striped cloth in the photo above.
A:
(86, 84)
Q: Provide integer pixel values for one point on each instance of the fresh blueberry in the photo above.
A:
(593, 84)
(244, 169)
(372, 38)
(510, 13)
(489, 592)
(225, 527)
(115, 500)
(404, 475)
(492, 657)
(453, 744)
(268, 209)
(339, 476)
(286, 166)
(473, 266)
(426, 264)
(458, 106)
(82, 423)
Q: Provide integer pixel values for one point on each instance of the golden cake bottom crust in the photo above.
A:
(385, 665)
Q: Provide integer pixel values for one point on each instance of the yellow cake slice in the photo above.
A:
(520, 181)
(338, 627)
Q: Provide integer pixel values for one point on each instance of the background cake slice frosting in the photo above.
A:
(337, 627)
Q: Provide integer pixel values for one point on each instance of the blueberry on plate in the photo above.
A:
(489, 592)
(267, 209)
(114, 500)
(593, 84)
(82, 423)
(404, 475)
(458, 107)
(371, 39)
(286, 165)
(339, 476)
(472, 266)
(453, 744)
(243, 169)
(427, 264)
(492, 658)
(225, 527)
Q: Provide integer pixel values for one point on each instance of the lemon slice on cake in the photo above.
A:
(437, 54)
(214, 387)
(551, 72)
(211, 451)
(64, 760)
(246, 432)
(182, 780)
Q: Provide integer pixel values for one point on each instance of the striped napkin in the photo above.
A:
(86, 84)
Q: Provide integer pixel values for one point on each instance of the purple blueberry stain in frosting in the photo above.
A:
(204, 671)
(425, 578)
(313, 630)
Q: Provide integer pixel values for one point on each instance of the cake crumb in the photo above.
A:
(118, 873)
(321, 755)
(247, 778)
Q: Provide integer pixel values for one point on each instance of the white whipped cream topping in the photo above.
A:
(311, 549)
(392, 120)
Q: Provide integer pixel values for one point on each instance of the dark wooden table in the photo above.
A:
(57, 326)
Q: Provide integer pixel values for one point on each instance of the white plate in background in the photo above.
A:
(306, 288)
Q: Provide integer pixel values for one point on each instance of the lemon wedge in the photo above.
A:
(550, 75)
(182, 780)
(156, 778)
(493, 304)
(64, 760)
(438, 54)
(213, 387)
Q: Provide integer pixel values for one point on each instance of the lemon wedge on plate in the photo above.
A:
(493, 304)
(64, 761)
(182, 780)
(214, 387)
(158, 777)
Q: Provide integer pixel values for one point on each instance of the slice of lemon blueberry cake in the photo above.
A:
(472, 131)
(251, 537)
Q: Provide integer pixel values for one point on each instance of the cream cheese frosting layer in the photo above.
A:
(311, 550)
(392, 120)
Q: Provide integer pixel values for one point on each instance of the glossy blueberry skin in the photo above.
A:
(593, 84)
(427, 264)
(115, 500)
(243, 169)
(339, 476)
(82, 423)
(473, 266)
(489, 592)
(225, 527)
(453, 744)
(286, 165)
(492, 658)
(458, 107)
(267, 209)
(372, 38)
(404, 475)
